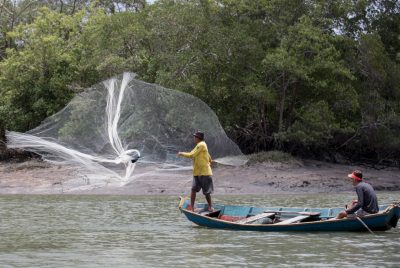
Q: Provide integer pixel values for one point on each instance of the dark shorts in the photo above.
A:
(203, 182)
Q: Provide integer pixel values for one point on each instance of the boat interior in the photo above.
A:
(270, 215)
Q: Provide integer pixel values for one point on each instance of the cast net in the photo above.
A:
(104, 130)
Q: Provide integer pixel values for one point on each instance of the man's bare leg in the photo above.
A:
(208, 198)
(192, 199)
(341, 215)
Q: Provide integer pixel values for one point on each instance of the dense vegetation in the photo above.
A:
(316, 78)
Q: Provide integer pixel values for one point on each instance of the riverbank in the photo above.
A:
(305, 176)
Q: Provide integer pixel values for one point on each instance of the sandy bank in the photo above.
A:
(36, 177)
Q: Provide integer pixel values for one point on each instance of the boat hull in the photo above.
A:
(382, 221)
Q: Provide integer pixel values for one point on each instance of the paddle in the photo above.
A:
(255, 218)
(363, 223)
(302, 215)
(295, 212)
(293, 220)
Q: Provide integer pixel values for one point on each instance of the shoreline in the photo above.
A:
(302, 177)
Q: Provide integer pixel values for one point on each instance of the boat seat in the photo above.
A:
(293, 220)
(208, 213)
(233, 213)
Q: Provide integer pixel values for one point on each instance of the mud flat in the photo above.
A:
(38, 177)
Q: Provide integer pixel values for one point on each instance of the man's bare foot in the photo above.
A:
(211, 209)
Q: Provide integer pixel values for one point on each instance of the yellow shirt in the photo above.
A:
(201, 160)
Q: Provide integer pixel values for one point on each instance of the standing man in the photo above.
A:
(367, 203)
(201, 170)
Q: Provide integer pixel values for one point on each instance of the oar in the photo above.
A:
(363, 223)
(294, 212)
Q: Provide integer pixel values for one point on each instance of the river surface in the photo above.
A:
(149, 231)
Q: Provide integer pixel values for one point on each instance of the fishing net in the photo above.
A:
(108, 127)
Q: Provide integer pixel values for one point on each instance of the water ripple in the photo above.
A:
(125, 231)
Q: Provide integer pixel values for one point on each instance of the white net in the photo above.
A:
(105, 129)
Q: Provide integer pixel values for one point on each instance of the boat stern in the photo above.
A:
(396, 216)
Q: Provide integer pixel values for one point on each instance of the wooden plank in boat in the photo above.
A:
(209, 213)
(254, 218)
(293, 220)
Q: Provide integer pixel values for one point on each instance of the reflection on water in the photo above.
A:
(134, 231)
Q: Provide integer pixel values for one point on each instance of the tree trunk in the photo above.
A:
(282, 104)
(3, 147)
(73, 8)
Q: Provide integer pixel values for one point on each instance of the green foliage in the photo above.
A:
(306, 67)
(288, 74)
(119, 43)
(314, 125)
(34, 77)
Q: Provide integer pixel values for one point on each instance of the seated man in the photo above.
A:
(367, 202)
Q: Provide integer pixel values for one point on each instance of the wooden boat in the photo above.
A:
(278, 219)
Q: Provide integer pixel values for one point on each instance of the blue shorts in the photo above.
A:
(203, 182)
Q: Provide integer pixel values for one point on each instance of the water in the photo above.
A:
(149, 231)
